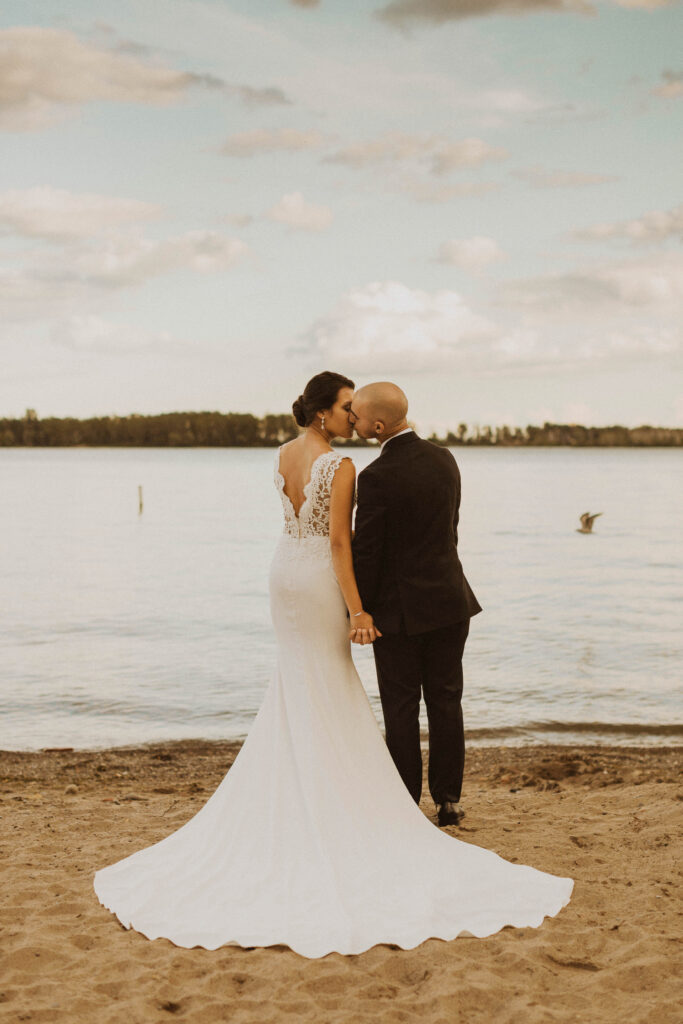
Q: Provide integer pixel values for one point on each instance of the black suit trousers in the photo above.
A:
(430, 664)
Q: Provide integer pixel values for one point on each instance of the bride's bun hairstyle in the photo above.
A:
(320, 393)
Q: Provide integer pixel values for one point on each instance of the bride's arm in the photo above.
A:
(341, 510)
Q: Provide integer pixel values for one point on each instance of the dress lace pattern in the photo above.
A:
(314, 515)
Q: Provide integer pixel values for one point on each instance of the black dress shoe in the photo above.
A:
(450, 813)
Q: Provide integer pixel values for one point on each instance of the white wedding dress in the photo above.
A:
(312, 840)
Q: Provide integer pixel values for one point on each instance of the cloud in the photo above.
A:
(238, 220)
(438, 12)
(507, 101)
(294, 211)
(44, 68)
(672, 86)
(53, 284)
(51, 213)
(91, 333)
(387, 327)
(442, 192)
(526, 348)
(539, 177)
(441, 154)
(592, 318)
(393, 147)
(248, 144)
(648, 5)
(27, 294)
(603, 316)
(44, 71)
(123, 262)
(268, 96)
(471, 254)
(656, 226)
(471, 152)
(655, 284)
(401, 13)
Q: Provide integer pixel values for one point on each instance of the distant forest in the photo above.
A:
(242, 430)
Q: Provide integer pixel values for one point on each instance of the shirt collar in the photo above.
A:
(408, 430)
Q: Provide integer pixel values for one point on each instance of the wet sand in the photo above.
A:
(609, 817)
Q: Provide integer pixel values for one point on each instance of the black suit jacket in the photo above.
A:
(405, 548)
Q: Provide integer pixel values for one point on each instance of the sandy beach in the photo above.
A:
(607, 816)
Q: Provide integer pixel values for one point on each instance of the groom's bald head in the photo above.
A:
(380, 410)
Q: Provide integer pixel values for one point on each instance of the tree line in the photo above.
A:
(242, 430)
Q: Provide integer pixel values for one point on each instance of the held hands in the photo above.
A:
(363, 630)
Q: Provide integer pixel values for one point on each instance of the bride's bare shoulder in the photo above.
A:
(291, 449)
(344, 472)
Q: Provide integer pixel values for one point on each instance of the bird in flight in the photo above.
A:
(587, 522)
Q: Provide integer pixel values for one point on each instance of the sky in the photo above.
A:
(205, 202)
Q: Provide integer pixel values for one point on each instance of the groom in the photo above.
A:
(410, 579)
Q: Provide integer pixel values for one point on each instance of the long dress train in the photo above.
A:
(312, 840)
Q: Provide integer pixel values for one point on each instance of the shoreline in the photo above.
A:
(632, 763)
(535, 735)
(607, 817)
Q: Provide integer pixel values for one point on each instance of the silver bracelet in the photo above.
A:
(356, 614)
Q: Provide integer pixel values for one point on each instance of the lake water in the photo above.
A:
(124, 628)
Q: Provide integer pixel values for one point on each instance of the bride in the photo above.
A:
(312, 840)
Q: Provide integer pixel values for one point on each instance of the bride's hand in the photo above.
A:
(363, 630)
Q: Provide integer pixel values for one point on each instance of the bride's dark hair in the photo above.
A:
(320, 393)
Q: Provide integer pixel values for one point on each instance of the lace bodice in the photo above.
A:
(314, 515)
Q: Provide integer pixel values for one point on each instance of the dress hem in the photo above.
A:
(527, 920)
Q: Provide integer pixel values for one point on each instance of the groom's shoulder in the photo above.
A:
(372, 478)
(439, 451)
(371, 471)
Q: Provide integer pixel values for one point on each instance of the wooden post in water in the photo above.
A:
(140, 502)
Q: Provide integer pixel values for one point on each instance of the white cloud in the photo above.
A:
(294, 211)
(45, 212)
(471, 152)
(386, 327)
(238, 220)
(602, 318)
(655, 226)
(471, 254)
(438, 12)
(44, 71)
(540, 177)
(90, 333)
(392, 147)
(248, 144)
(27, 294)
(648, 5)
(604, 315)
(431, 191)
(120, 262)
(439, 153)
(644, 283)
(672, 86)
(44, 68)
(53, 283)
(255, 96)
(507, 101)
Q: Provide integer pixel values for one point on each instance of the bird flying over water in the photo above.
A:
(587, 522)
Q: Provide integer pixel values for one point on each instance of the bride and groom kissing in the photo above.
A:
(314, 838)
